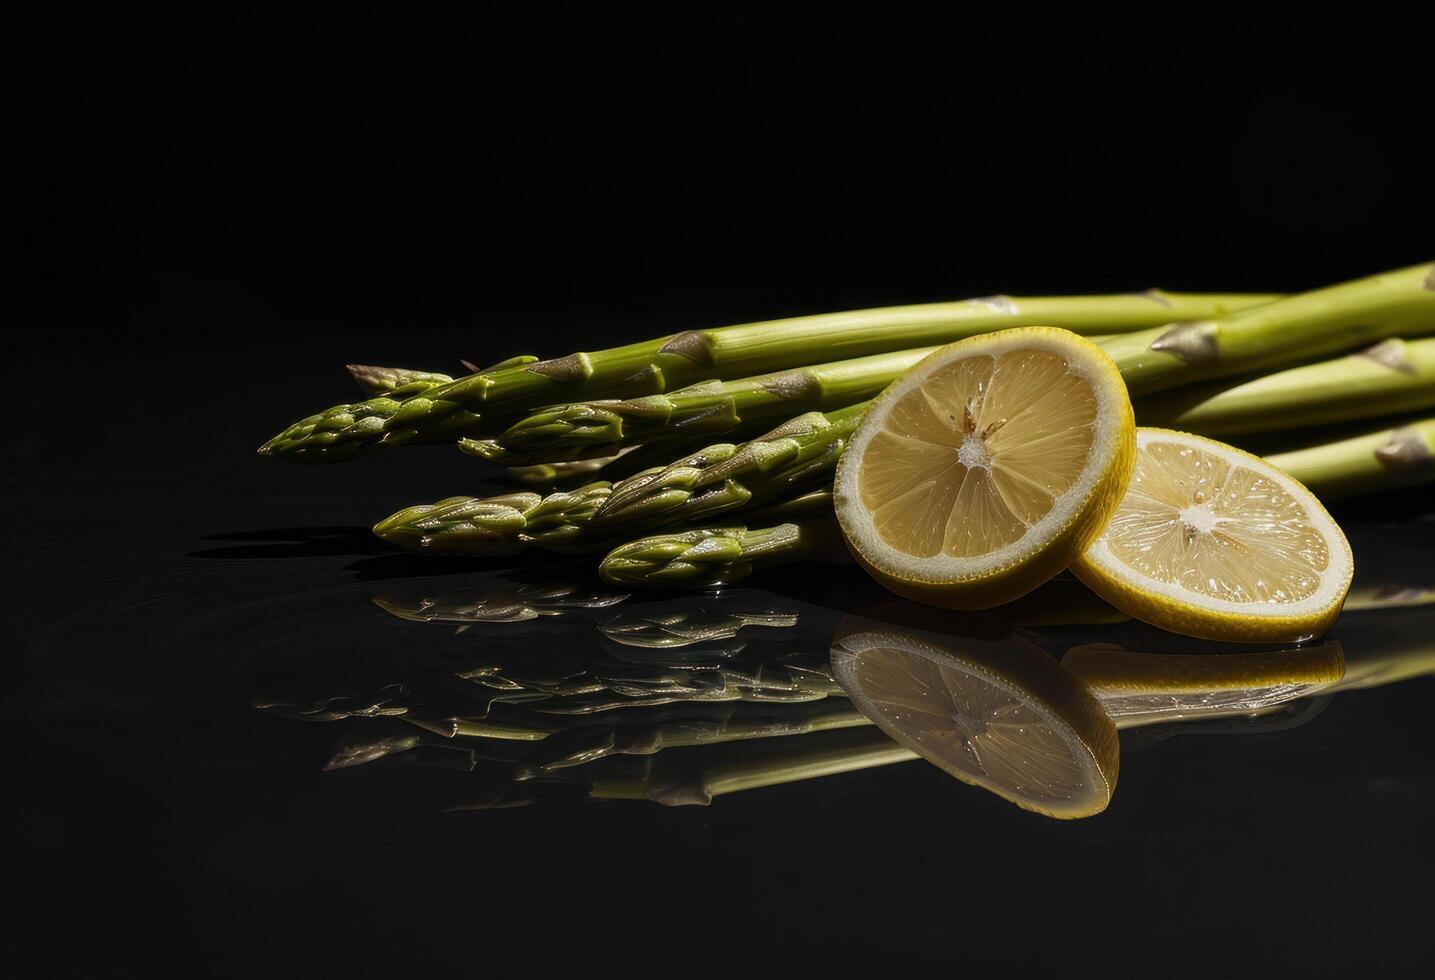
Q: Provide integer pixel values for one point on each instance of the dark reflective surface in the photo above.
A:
(291, 744)
(219, 208)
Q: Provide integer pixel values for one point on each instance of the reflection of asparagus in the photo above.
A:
(674, 628)
(1367, 597)
(1145, 688)
(458, 409)
(579, 724)
(500, 602)
(580, 746)
(696, 776)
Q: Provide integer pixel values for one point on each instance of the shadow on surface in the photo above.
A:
(396, 565)
(293, 542)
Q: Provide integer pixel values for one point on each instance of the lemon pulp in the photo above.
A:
(969, 461)
(1213, 542)
(986, 468)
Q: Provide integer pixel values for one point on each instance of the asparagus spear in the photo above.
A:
(497, 525)
(401, 383)
(1395, 375)
(1293, 329)
(1403, 456)
(1390, 378)
(601, 428)
(717, 479)
(395, 382)
(1382, 460)
(720, 556)
(1296, 328)
(550, 474)
(802, 452)
(459, 408)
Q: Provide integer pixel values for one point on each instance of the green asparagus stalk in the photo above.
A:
(1386, 459)
(498, 525)
(601, 428)
(720, 556)
(627, 462)
(465, 406)
(552, 474)
(798, 453)
(803, 452)
(395, 382)
(1393, 377)
(401, 383)
(1402, 456)
(1293, 329)
(1296, 328)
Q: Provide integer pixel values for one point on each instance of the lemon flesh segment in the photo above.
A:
(1212, 542)
(987, 467)
(1012, 724)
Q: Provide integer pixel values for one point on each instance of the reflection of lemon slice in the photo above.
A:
(1147, 688)
(985, 469)
(1213, 542)
(999, 715)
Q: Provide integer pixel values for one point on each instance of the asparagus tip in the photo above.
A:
(482, 448)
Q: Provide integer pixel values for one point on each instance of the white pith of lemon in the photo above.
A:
(988, 467)
(1213, 542)
(1001, 715)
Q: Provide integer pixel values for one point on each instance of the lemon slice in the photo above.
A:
(1001, 715)
(1150, 688)
(988, 467)
(1213, 542)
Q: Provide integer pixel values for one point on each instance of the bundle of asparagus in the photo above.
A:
(1256, 368)
(475, 405)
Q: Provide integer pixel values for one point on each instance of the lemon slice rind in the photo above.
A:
(1171, 607)
(1074, 520)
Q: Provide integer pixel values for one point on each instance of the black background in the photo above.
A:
(217, 207)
